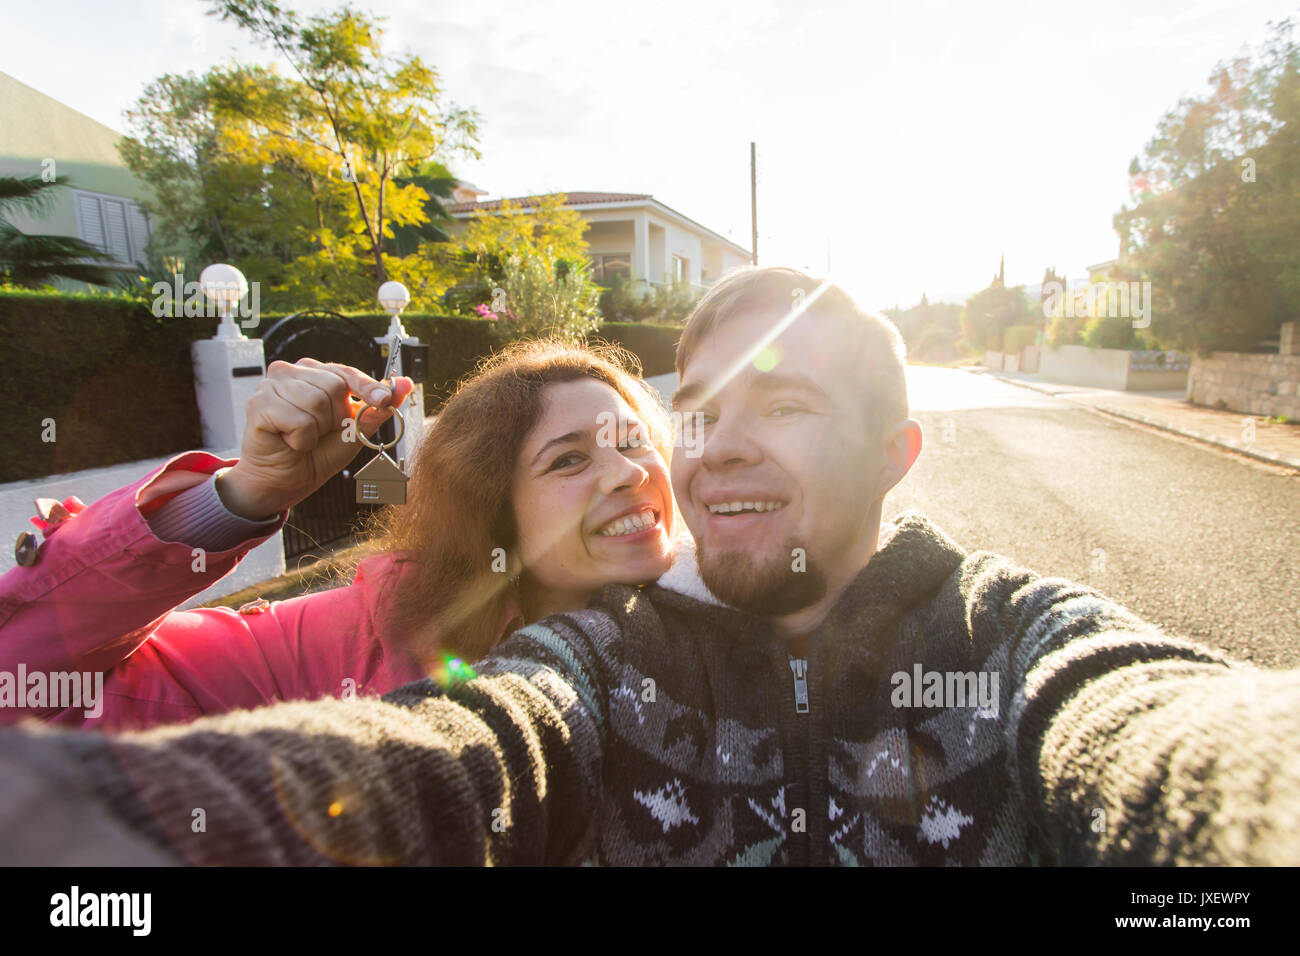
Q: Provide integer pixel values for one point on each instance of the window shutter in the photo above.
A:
(119, 243)
(92, 227)
(139, 233)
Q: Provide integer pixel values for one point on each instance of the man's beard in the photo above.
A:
(768, 588)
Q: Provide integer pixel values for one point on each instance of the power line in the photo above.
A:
(753, 199)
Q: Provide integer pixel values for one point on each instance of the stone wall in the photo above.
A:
(1117, 369)
(1254, 384)
(1151, 380)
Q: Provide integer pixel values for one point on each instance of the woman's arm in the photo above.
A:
(185, 664)
(213, 660)
(103, 579)
(98, 598)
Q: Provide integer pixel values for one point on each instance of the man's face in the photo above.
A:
(791, 445)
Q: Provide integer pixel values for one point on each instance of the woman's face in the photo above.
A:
(593, 504)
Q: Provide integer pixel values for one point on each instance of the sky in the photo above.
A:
(902, 146)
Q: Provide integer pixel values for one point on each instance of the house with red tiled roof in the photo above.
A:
(633, 235)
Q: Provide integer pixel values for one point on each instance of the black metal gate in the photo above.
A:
(331, 512)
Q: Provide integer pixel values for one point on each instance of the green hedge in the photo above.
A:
(118, 382)
(456, 344)
(655, 345)
(1018, 337)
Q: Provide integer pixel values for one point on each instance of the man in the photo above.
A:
(846, 694)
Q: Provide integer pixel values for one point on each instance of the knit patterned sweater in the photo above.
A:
(660, 728)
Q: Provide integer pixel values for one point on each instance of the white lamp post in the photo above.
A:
(224, 285)
(394, 297)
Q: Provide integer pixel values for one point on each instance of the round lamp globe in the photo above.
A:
(394, 297)
(223, 283)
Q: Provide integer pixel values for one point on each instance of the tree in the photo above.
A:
(545, 227)
(1062, 329)
(368, 114)
(546, 223)
(1213, 225)
(322, 184)
(1110, 332)
(1050, 278)
(35, 260)
(358, 116)
(989, 313)
(210, 204)
(438, 184)
(931, 331)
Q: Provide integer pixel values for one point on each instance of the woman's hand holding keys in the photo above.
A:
(299, 432)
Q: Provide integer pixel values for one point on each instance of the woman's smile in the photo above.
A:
(631, 523)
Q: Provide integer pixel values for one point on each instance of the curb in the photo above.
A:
(1043, 388)
(1271, 459)
(1278, 460)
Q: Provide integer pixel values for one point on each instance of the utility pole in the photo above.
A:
(753, 199)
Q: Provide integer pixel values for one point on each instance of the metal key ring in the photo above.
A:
(401, 421)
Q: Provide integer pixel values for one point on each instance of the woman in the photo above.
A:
(543, 479)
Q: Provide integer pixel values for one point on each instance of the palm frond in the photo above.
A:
(38, 275)
(33, 260)
(31, 194)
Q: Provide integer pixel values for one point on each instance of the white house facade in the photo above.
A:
(637, 236)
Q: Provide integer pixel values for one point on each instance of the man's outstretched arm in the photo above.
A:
(1167, 761)
(504, 768)
(1131, 747)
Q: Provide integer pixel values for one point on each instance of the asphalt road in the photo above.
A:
(1204, 543)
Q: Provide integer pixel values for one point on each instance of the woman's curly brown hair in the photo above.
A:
(459, 499)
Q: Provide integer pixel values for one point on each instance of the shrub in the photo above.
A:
(1111, 332)
(1018, 337)
(118, 381)
(628, 301)
(543, 299)
(654, 345)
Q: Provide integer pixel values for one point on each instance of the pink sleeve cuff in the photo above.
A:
(180, 474)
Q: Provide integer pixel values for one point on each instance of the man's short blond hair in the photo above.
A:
(870, 342)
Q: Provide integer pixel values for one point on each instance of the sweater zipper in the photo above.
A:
(800, 670)
(799, 739)
(812, 790)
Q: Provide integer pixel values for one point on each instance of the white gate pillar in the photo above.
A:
(227, 367)
(227, 370)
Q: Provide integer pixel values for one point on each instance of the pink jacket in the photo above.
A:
(101, 599)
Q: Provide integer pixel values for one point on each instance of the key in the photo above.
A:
(382, 481)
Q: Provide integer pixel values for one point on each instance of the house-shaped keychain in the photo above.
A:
(381, 482)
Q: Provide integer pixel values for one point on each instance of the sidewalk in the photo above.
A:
(1169, 411)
